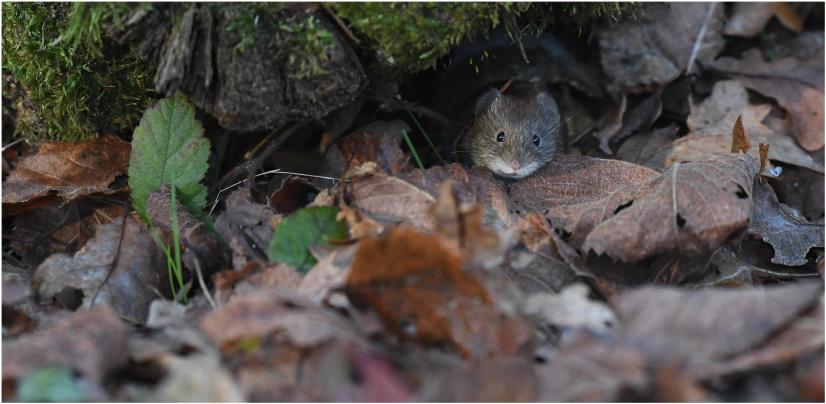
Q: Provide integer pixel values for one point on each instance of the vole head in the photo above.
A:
(515, 132)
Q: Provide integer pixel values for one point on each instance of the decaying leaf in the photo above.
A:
(293, 194)
(70, 169)
(516, 380)
(748, 19)
(569, 180)
(472, 187)
(129, 290)
(709, 325)
(797, 85)
(590, 368)
(630, 213)
(379, 142)
(791, 235)
(270, 311)
(90, 341)
(639, 117)
(390, 200)
(660, 46)
(247, 227)
(416, 283)
(711, 124)
(649, 150)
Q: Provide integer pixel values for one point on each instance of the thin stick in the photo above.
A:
(341, 23)
(114, 263)
(200, 275)
(696, 48)
(276, 171)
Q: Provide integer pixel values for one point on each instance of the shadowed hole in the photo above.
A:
(623, 206)
(680, 221)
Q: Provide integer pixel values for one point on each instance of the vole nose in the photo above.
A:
(515, 165)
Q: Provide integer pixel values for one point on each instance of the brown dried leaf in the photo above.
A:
(711, 122)
(71, 169)
(472, 187)
(748, 19)
(590, 368)
(796, 85)
(390, 200)
(570, 180)
(740, 141)
(92, 342)
(59, 228)
(247, 226)
(129, 290)
(709, 325)
(658, 48)
(692, 208)
(641, 116)
(801, 337)
(267, 311)
(515, 381)
(293, 194)
(791, 235)
(649, 150)
(417, 285)
(379, 142)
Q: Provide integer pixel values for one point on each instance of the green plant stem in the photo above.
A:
(432, 146)
(412, 149)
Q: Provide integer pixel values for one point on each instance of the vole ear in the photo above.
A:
(485, 100)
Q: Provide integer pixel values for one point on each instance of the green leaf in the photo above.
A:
(168, 147)
(316, 225)
(54, 384)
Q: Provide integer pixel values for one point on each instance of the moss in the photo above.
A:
(412, 36)
(80, 85)
(302, 40)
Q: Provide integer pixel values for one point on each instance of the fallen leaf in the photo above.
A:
(70, 169)
(417, 285)
(293, 194)
(53, 384)
(709, 325)
(711, 123)
(748, 19)
(655, 50)
(268, 311)
(390, 200)
(629, 213)
(591, 368)
(570, 180)
(516, 380)
(328, 275)
(796, 85)
(197, 377)
(791, 235)
(639, 117)
(610, 124)
(91, 342)
(692, 208)
(472, 187)
(59, 228)
(130, 288)
(379, 142)
(801, 337)
(247, 226)
(649, 150)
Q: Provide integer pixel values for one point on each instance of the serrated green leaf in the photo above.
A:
(315, 225)
(168, 147)
(55, 384)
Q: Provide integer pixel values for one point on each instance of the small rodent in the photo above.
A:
(515, 131)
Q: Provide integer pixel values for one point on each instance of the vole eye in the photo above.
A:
(500, 137)
(536, 140)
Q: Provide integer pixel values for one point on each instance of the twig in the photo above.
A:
(117, 253)
(200, 275)
(251, 166)
(700, 35)
(341, 24)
